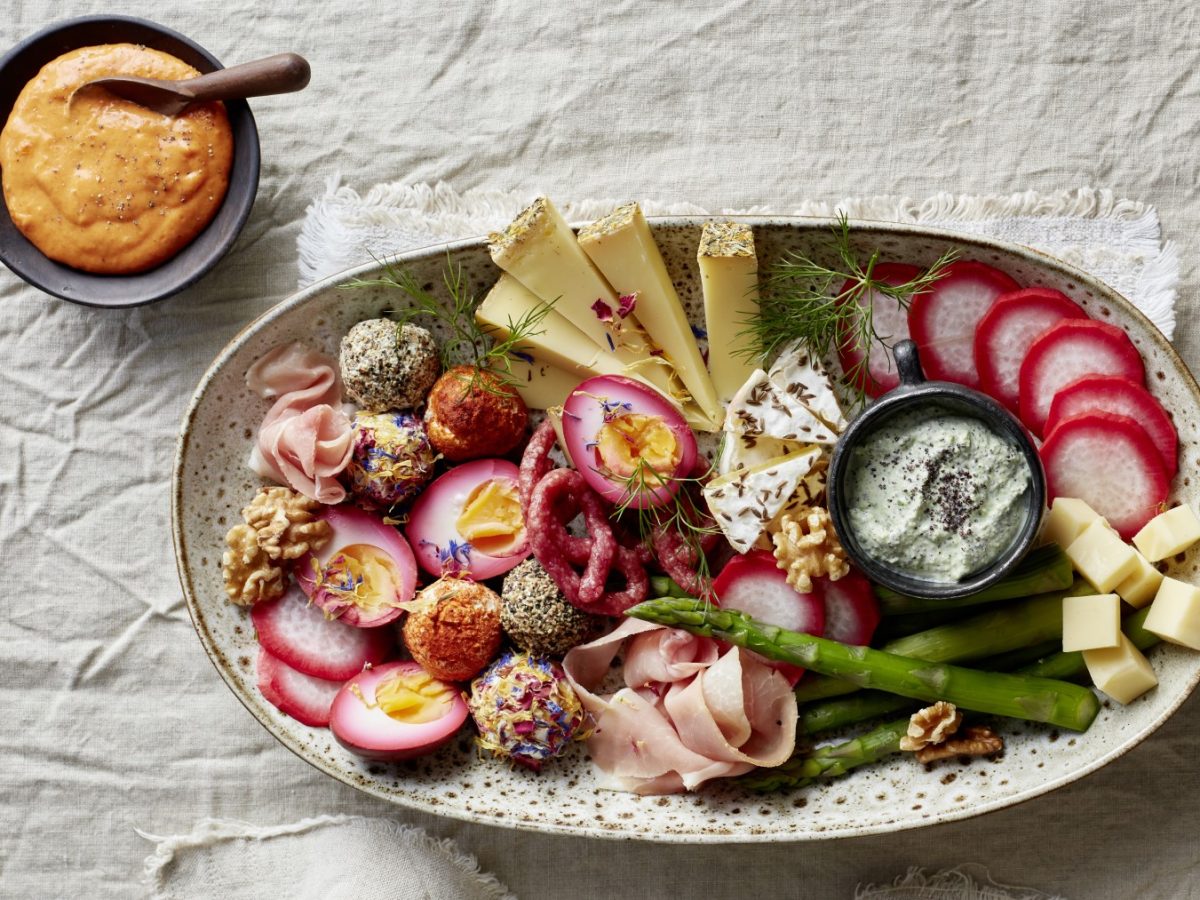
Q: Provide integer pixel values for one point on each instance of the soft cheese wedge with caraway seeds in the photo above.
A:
(744, 502)
(729, 277)
(623, 249)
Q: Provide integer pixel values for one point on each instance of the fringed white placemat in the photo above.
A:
(1118, 241)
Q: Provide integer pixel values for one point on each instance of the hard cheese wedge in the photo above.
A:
(1168, 533)
(540, 384)
(1066, 520)
(729, 277)
(621, 246)
(746, 501)
(1091, 622)
(1175, 613)
(1101, 557)
(1121, 672)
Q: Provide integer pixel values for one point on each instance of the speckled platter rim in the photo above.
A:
(760, 834)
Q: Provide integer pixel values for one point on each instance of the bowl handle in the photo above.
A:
(908, 363)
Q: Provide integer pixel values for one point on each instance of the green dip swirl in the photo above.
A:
(936, 494)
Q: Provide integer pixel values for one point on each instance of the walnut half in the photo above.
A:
(806, 547)
(286, 523)
(931, 725)
(250, 575)
(976, 740)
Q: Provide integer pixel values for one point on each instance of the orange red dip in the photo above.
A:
(105, 185)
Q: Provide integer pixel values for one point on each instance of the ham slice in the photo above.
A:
(688, 713)
(306, 439)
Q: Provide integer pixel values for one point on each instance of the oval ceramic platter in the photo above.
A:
(212, 483)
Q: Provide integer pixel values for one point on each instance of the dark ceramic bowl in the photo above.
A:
(915, 392)
(21, 64)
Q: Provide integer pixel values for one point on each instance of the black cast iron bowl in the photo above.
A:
(914, 392)
(195, 260)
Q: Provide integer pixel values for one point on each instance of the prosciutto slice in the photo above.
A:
(688, 712)
(305, 440)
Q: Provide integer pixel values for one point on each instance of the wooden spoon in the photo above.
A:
(279, 74)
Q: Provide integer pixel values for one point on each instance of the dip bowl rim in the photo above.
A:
(915, 392)
(197, 258)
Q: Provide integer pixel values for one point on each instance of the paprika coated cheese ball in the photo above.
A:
(472, 413)
(453, 628)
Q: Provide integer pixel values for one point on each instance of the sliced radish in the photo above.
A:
(298, 633)
(943, 319)
(1122, 397)
(1111, 464)
(753, 584)
(851, 610)
(469, 521)
(889, 320)
(628, 441)
(1065, 352)
(363, 574)
(396, 711)
(1005, 332)
(304, 698)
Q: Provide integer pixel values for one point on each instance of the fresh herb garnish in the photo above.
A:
(801, 299)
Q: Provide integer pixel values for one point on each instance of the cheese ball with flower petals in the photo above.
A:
(392, 459)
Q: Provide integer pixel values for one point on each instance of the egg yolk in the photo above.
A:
(491, 518)
(625, 440)
(364, 575)
(413, 697)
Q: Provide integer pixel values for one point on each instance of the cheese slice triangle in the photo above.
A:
(801, 376)
(761, 408)
(745, 502)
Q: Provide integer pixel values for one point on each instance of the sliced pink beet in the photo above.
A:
(1007, 329)
(943, 319)
(1065, 352)
(753, 584)
(851, 610)
(1122, 397)
(890, 322)
(491, 547)
(363, 574)
(304, 698)
(628, 441)
(300, 634)
(396, 711)
(1110, 463)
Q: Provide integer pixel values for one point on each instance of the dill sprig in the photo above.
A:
(801, 299)
(468, 342)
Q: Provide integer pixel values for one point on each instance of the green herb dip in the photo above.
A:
(936, 494)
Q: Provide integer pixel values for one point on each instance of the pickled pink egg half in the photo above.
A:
(627, 440)
(469, 521)
(396, 711)
(363, 574)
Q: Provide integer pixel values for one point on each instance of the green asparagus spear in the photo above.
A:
(839, 712)
(1008, 627)
(1043, 570)
(665, 586)
(1016, 696)
(829, 762)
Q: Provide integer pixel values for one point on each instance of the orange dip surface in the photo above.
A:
(102, 184)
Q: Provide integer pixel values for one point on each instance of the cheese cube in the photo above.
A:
(1066, 520)
(1101, 557)
(729, 278)
(1175, 613)
(1121, 672)
(1091, 623)
(1168, 533)
(1139, 588)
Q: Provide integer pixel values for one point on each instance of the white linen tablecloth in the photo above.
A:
(114, 718)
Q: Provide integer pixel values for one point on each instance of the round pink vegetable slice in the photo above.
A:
(1007, 329)
(753, 584)
(1111, 464)
(434, 522)
(628, 441)
(1122, 397)
(1065, 352)
(851, 610)
(426, 712)
(304, 698)
(298, 633)
(944, 318)
(363, 574)
(890, 321)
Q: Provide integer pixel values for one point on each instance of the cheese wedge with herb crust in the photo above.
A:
(621, 246)
(745, 502)
(729, 278)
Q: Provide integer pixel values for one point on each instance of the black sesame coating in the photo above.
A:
(388, 366)
(536, 616)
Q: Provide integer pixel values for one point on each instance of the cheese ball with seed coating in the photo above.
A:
(453, 628)
(385, 365)
(537, 617)
(473, 413)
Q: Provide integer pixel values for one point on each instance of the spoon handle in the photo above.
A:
(278, 74)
